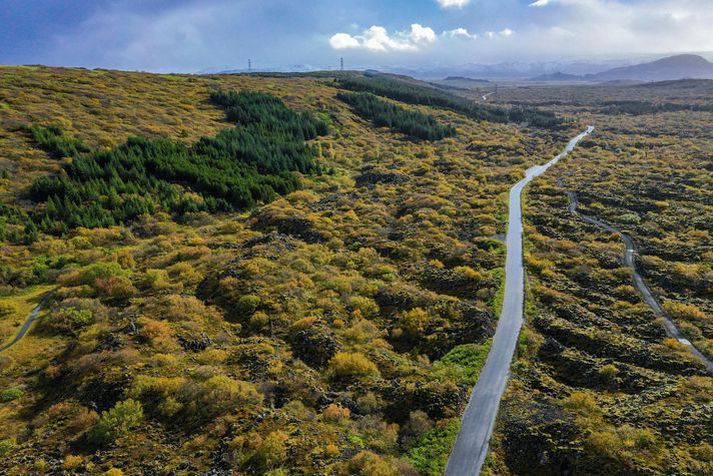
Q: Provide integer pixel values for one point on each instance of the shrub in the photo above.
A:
(115, 287)
(248, 304)
(72, 462)
(10, 394)
(683, 311)
(221, 393)
(414, 322)
(608, 372)
(118, 421)
(345, 365)
(6, 446)
(366, 463)
(366, 306)
(273, 450)
(69, 320)
(335, 413)
(155, 331)
(582, 403)
(104, 270)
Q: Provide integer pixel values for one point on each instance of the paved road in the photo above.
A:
(639, 283)
(26, 326)
(477, 425)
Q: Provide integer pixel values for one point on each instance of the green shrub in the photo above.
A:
(118, 422)
(6, 446)
(10, 394)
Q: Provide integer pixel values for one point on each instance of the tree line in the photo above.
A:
(385, 114)
(416, 94)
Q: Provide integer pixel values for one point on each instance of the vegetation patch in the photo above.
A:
(412, 93)
(386, 114)
(240, 167)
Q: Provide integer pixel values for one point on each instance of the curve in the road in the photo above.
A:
(471, 446)
(639, 283)
(26, 325)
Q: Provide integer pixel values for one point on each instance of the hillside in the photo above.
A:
(559, 76)
(300, 274)
(208, 306)
(670, 68)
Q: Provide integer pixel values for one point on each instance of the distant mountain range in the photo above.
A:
(643, 68)
(665, 69)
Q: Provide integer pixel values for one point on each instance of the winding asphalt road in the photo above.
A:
(471, 446)
(26, 326)
(639, 283)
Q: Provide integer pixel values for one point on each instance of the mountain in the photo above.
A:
(513, 69)
(466, 80)
(462, 82)
(670, 68)
(558, 76)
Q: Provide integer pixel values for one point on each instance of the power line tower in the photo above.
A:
(341, 64)
(250, 65)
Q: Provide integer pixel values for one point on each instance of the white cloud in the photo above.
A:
(544, 3)
(506, 32)
(422, 34)
(342, 41)
(377, 39)
(453, 3)
(461, 33)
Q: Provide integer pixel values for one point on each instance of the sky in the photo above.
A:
(200, 35)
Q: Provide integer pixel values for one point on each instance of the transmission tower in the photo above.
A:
(250, 65)
(341, 64)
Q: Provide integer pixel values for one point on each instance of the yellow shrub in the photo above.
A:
(335, 413)
(351, 365)
(72, 462)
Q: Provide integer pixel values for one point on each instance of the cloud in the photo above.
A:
(460, 33)
(544, 3)
(377, 39)
(343, 41)
(504, 33)
(453, 3)
(421, 34)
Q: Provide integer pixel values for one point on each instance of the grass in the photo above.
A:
(497, 301)
(430, 452)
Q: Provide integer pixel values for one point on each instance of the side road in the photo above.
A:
(639, 283)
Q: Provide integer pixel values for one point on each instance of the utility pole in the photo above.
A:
(341, 64)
